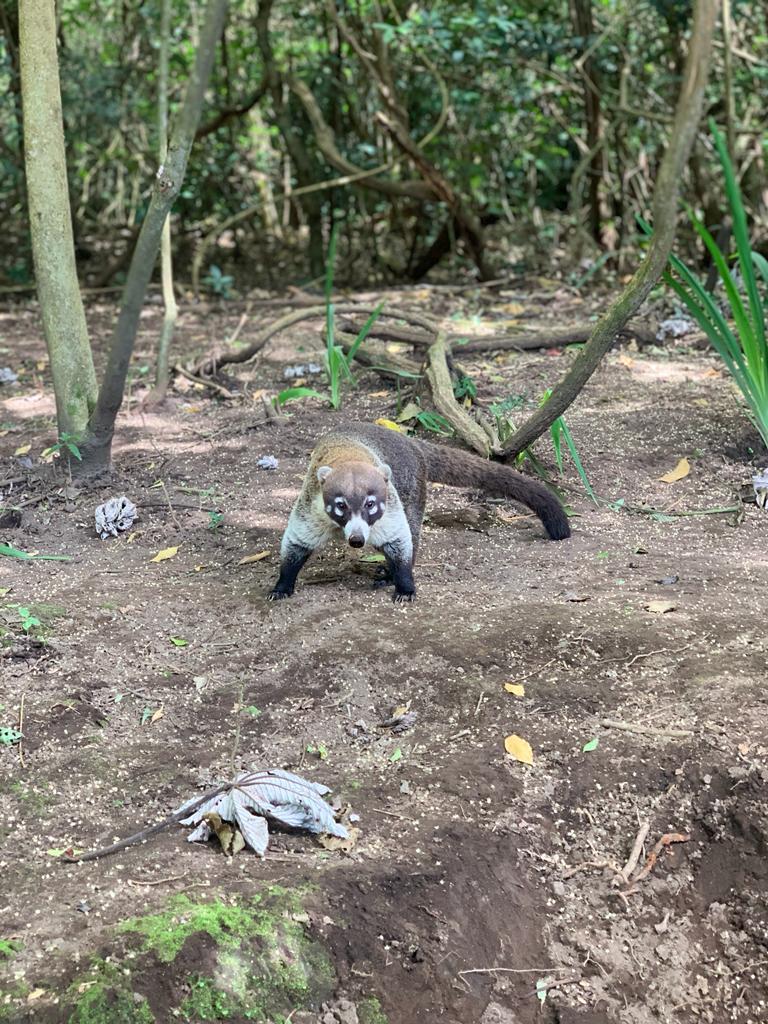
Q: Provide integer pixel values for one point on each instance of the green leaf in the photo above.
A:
(591, 745)
(9, 735)
(293, 394)
(364, 331)
(146, 714)
(252, 710)
(179, 641)
(12, 552)
(396, 755)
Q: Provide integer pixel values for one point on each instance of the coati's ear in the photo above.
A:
(323, 473)
(387, 471)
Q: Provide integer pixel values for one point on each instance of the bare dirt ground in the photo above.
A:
(480, 889)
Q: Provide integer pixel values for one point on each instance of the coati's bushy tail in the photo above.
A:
(460, 469)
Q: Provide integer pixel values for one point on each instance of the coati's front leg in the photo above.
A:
(292, 558)
(400, 564)
(303, 536)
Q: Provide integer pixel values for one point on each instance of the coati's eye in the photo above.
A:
(340, 504)
(370, 504)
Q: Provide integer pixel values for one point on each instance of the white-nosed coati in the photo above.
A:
(371, 484)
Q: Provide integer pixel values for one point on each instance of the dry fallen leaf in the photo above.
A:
(379, 394)
(23, 450)
(337, 843)
(517, 688)
(626, 360)
(519, 748)
(713, 372)
(390, 425)
(156, 716)
(253, 558)
(682, 469)
(165, 553)
(660, 607)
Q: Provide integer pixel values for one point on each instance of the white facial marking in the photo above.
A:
(329, 509)
(356, 525)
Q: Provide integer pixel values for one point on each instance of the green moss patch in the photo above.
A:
(244, 959)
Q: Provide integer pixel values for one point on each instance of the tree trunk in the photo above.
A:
(166, 256)
(681, 138)
(50, 220)
(97, 447)
(584, 26)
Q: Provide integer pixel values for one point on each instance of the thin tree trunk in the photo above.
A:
(166, 257)
(681, 138)
(50, 220)
(98, 445)
(584, 25)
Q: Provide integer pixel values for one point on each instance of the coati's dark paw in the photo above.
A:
(402, 597)
(278, 595)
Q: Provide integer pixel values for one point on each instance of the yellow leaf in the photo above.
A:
(391, 425)
(379, 394)
(35, 994)
(517, 688)
(660, 607)
(401, 709)
(157, 715)
(713, 372)
(165, 553)
(519, 748)
(24, 450)
(253, 558)
(683, 468)
(258, 393)
(626, 360)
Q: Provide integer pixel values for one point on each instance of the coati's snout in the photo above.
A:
(354, 497)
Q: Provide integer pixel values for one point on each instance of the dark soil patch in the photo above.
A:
(460, 894)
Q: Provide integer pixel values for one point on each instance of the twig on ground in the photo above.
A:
(514, 970)
(634, 857)
(645, 730)
(176, 522)
(21, 730)
(598, 865)
(206, 382)
(136, 882)
(653, 856)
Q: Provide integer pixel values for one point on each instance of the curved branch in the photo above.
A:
(681, 140)
(210, 363)
(326, 143)
(230, 113)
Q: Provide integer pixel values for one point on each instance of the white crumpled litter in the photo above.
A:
(7, 376)
(267, 462)
(302, 370)
(257, 798)
(674, 327)
(114, 517)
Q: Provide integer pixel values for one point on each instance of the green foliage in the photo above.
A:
(65, 441)
(743, 347)
(293, 395)
(219, 282)
(464, 387)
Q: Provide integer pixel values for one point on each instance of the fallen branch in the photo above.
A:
(209, 364)
(439, 379)
(645, 730)
(500, 342)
